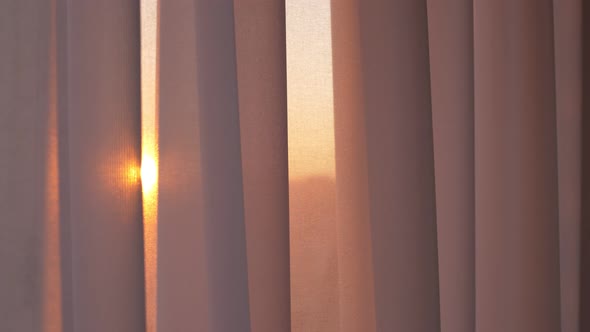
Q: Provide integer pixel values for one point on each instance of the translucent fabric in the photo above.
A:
(461, 156)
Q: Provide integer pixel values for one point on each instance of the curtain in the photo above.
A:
(461, 156)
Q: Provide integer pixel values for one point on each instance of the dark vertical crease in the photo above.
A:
(567, 33)
(556, 159)
(585, 200)
(555, 165)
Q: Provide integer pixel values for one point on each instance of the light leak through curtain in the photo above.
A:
(149, 153)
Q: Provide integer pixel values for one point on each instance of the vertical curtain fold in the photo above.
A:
(517, 235)
(104, 204)
(355, 267)
(221, 166)
(231, 169)
(450, 27)
(584, 261)
(182, 273)
(567, 18)
(262, 91)
(398, 121)
(396, 109)
(26, 188)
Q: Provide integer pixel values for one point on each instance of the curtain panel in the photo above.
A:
(461, 154)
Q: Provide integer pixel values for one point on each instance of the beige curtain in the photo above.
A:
(462, 196)
(70, 221)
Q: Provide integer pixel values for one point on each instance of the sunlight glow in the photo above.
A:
(133, 175)
(149, 153)
(149, 174)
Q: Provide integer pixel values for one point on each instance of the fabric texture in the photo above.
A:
(462, 191)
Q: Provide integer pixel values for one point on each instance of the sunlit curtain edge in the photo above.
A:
(149, 12)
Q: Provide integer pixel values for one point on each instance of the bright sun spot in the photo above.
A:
(149, 173)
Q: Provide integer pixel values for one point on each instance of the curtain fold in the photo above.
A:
(26, 191)
(262, 92)
(460, 154)
(516, 212)
(503, 99)
(221, 162)
(102, 115)
(181, 278)
(257, 69)
(450, 34)
(567, 21)
(395, 107)
(584, 229)
(355, 265)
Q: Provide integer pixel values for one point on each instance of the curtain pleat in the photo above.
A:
(103, 216)
(584, 229)
(516, 206)
(261, 68)
(567, 16)
(26, 190)
(182, 273)
(395, 106)
(221, 167)
(355, 264)
(190, 293)
(450, 28)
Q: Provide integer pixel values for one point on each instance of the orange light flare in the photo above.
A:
(149, 174)
(133, 175)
